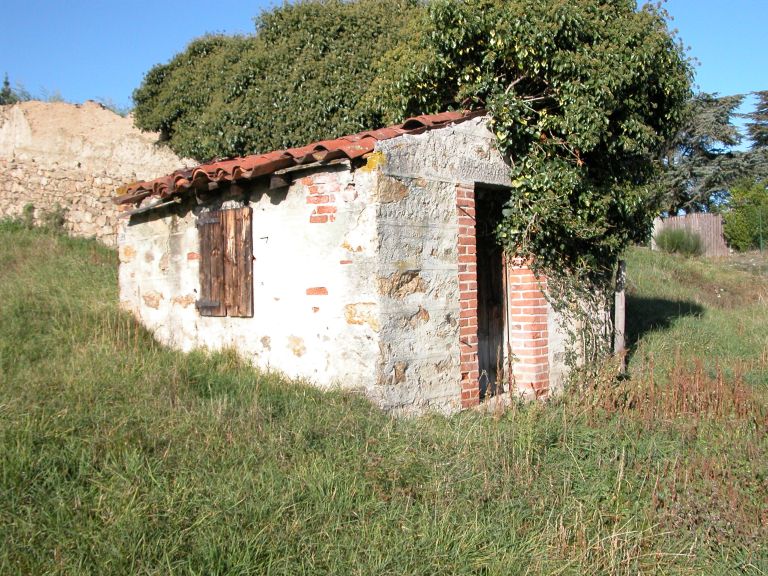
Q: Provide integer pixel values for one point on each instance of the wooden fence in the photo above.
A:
(709, 227)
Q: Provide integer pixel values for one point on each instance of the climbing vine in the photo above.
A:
(582, 95)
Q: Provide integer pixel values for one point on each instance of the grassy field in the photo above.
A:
(118, 456)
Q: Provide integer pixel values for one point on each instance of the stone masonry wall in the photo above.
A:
(83, 199)
(70, 159)
(441, 168)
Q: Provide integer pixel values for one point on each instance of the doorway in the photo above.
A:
(492, 344)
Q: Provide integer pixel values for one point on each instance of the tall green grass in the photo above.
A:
(122, 457)
(680, 241)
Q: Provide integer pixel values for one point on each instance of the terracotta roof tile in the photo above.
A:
(250, 167)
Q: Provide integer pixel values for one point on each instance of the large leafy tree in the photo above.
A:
(302, 76)
(583, 94)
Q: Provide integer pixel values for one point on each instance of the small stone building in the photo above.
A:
(367, 262)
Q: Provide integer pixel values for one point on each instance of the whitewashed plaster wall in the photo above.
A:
(315, 291)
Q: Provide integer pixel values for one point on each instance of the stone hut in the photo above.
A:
(366, 262)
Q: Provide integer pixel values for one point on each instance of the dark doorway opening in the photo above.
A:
(491, 289)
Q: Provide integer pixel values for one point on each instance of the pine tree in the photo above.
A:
(7, 95)
(757, 125)
(699, 164)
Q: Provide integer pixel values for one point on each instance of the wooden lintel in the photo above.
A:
(313, 165)
(279, 181)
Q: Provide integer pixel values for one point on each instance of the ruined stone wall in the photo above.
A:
(69, 159)
(83, 200)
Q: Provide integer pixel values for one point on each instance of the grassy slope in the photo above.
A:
(121, 457)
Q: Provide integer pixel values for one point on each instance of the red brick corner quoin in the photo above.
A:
(527, 314)
(467, 257)
(528, 329)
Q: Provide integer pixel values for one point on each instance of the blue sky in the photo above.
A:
(102, 49)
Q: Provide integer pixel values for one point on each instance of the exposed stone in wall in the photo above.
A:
(465, 152)
(401, 284)
(417, 284)
(71, 159)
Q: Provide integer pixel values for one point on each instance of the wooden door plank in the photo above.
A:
(211, 234)
(230, 270)
(246, 263)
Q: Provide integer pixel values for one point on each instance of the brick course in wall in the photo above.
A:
(321, 195)
(528, 329)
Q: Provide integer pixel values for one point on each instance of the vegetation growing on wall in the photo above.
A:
(582, 96)
(9, 95)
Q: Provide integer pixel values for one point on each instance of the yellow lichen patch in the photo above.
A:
(296, 345)
(391, 190)
(405, 265)
(374, 160)
(362, 313)
(347, 246)
(127, 253)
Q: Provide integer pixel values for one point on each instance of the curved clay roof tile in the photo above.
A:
(249, 167)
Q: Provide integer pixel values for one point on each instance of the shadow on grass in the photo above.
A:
(655, 314)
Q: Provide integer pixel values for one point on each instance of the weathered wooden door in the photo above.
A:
(490, 291)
